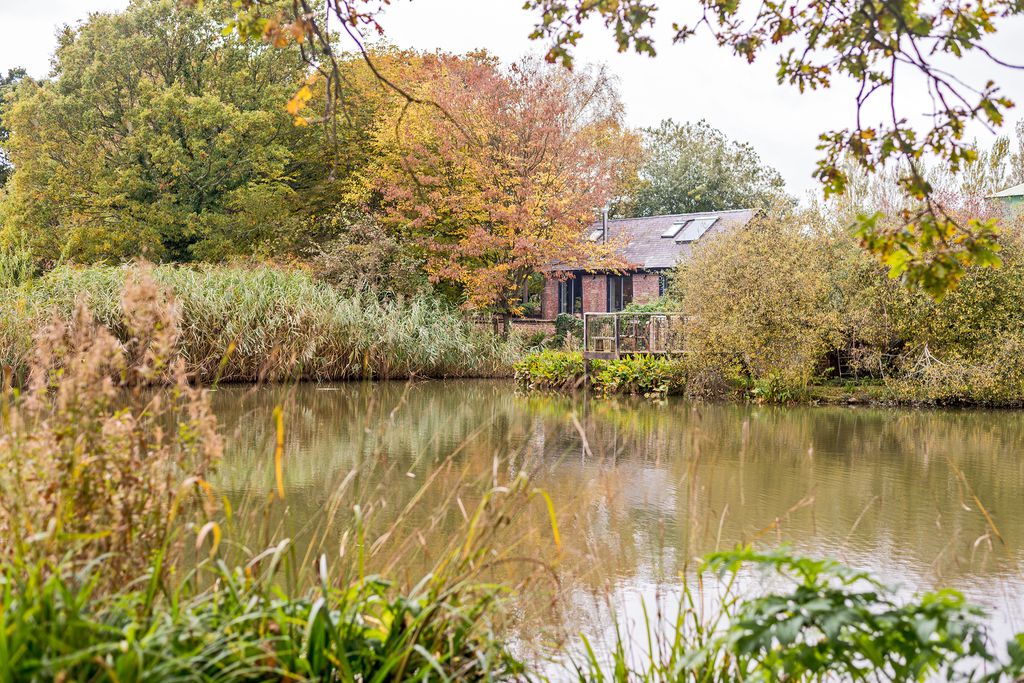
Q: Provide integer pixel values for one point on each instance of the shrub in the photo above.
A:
(640, 374)
(550, 369)
(756, 299)
(824, 622)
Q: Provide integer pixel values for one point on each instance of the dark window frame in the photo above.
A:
(570, 296)
(620, 292)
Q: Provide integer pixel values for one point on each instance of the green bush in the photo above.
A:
(640, 374)
(822, 622)
(550, 369)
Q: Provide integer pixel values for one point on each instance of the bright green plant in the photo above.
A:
(550, 369)
(824, 622)
(16, 266)
(641, 374)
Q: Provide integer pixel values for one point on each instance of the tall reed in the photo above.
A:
(262, 323)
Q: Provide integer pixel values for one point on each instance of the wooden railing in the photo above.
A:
(611, 335)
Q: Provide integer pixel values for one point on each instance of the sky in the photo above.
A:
(696, 80)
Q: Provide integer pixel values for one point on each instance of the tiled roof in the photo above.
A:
(646, 248)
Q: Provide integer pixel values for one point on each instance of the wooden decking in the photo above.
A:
(613, 335)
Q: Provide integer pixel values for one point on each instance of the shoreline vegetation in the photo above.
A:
(265, 324)
(119, 560)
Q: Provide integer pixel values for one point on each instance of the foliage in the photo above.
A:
(826, 622)
(261, 323)
(757, 303)
(7, 85)
(366, 256)
(487, 182)
(658, 305)
(567, 325)
(157, 136)
(242, 628)
(645, 375)
(550, 369)
(16, 266)
(693, 167)
(78, 466)
(641, 374)
(869, 45)
(837, 621)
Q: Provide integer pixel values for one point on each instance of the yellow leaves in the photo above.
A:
(299, 101)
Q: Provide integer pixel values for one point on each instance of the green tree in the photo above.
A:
(875, 44)
(157, 136)
(758, 302)
(695, 167)
(7, 85)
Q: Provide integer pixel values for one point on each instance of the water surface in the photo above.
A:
(643, 488)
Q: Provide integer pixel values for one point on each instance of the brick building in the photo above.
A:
(651, 247)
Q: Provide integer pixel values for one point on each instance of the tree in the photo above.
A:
(757, 302)
(7, 85)
(159, 137)
(500, 177)
(694, 167)
(876, 44)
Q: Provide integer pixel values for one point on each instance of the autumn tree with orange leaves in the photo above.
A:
(497, 173)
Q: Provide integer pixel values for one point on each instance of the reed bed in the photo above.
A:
(244, 324)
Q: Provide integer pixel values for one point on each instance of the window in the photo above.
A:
(620, 292)
(674, 230)
(570, 296)
(695, 229)
(662, 283)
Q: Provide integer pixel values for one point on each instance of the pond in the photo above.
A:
(923, 498)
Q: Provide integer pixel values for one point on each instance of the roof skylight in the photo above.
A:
(674, 229)
(695, 229)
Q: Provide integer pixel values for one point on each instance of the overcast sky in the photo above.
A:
(685, 82)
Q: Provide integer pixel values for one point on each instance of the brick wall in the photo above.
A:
(532, 325)
(645, 287)
(549, 299)
(595, 293)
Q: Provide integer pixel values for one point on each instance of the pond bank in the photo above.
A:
(659, 376)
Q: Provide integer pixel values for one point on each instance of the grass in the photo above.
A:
(261, 323)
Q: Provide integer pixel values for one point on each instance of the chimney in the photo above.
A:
(604, 224)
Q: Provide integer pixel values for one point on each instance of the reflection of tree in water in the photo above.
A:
(650, 486)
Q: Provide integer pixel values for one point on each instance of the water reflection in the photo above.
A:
(644, 488)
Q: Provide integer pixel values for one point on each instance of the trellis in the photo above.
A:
(613, 335)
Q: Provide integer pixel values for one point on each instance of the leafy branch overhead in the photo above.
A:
(883, 46)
